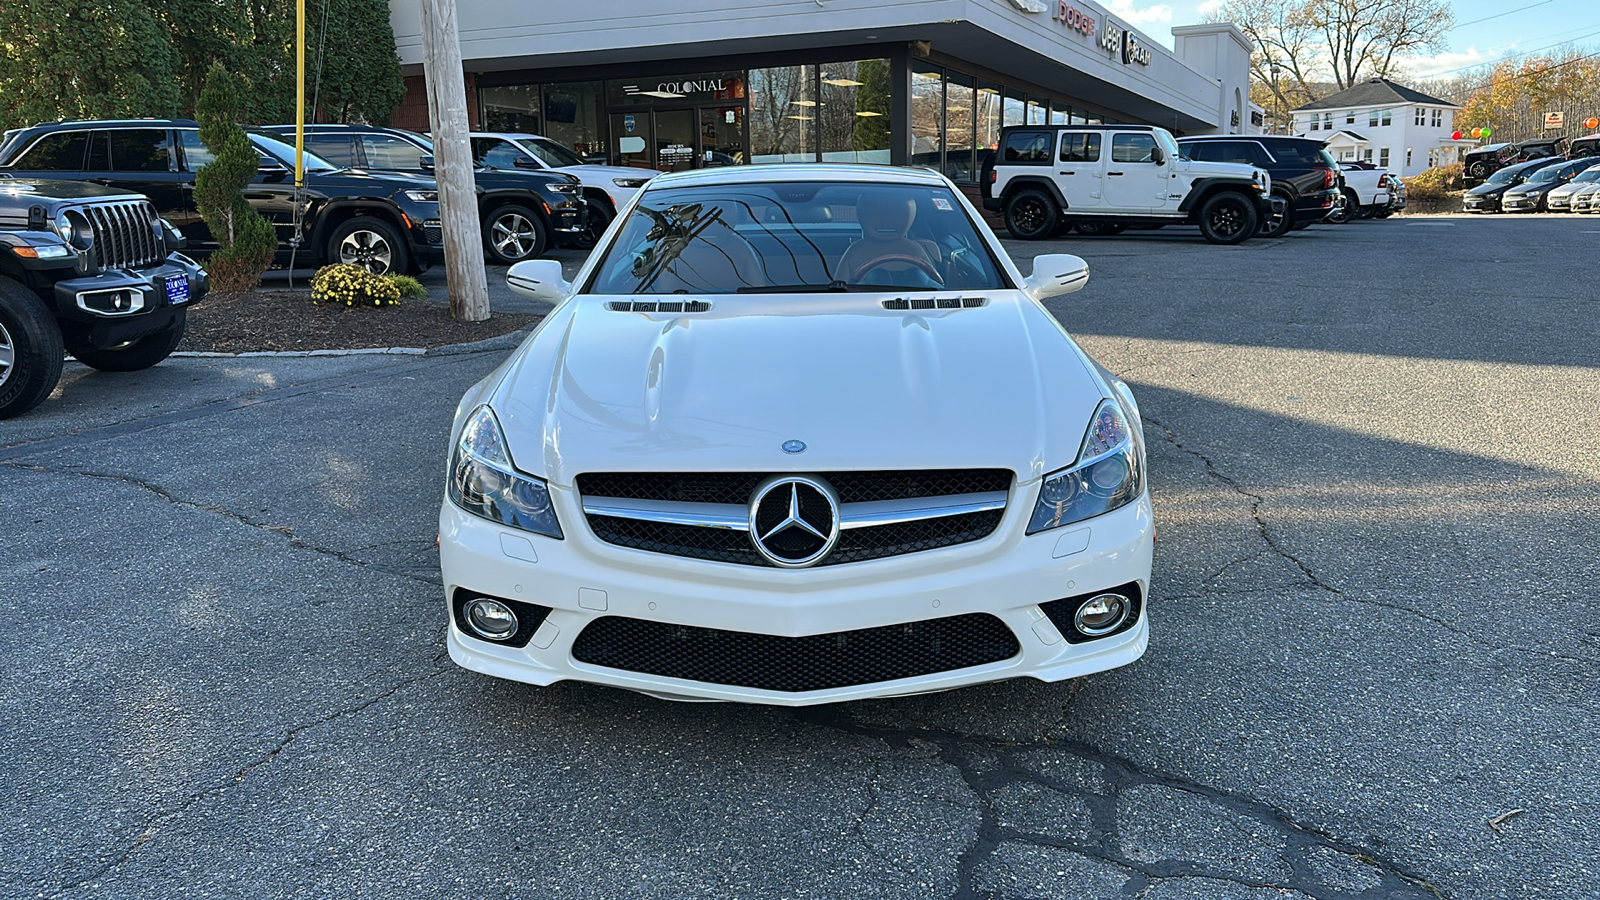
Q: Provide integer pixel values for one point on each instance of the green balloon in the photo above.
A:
(1487, 132)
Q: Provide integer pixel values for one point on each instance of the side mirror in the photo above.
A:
(1054, 275)
(526, 162)
(539, 279)
(270, 166)
(1157, 156)
(425, 162)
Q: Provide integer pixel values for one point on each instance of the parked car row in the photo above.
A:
(1102, 179)
(1482, 162)
(1532, 186)
(369, 198)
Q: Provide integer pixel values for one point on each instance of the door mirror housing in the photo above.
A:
(526, 162)
(539, 279)
(1157, 155)
(1054, 275)
(425, 162)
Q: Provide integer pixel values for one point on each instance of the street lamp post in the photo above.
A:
(1274, 70)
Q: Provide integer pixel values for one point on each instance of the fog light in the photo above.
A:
(491, 619)
(1101, 614)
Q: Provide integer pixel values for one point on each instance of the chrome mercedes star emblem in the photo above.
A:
(794, 520)
(794, 446)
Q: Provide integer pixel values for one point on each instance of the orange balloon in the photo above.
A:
(1591, 122)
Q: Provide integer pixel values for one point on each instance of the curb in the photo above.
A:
(508, 341)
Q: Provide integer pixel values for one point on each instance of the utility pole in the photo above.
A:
(452, 151)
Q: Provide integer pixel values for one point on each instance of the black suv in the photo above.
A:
(1485, 161)
(89, 269)
(1303, 174)
(384, 222)
(521, 210)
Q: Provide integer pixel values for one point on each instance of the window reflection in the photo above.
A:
(854, 115)
(783, 114)
(927, 116)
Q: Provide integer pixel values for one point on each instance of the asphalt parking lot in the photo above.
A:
(1376, 630)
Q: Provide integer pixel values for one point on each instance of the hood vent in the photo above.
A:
(932, 303)
(659, 306)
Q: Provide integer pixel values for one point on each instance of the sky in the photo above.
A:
(1517, 26)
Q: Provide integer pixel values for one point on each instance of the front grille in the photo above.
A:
(854, 544)
(124, 234)
(739, 487)
(795, 664)
(433, 231)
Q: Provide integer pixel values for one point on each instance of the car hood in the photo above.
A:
(864, 387)
(63, 190)
(1489, 190)
(1197, 169)
(608, 172)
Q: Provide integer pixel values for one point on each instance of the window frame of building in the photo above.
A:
(1327, 121)
(1438, 118)
(1422, 116)
(1315, 123)
(1383, 158)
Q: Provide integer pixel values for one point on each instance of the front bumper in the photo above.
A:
(1007, 575)
(1480, 204)
(1520, 204)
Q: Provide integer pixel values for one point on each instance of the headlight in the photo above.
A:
(64, 227)
(1108, 474)
(629, 182)
(75, 230)
(566, 187)
(423, 196)
(483, 481)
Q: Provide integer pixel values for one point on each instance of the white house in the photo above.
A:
(1386, 124)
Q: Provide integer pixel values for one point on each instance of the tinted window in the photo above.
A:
(195, 154)
(62, 150)
(1080, 147)
(386, 152)
(495, 153)
(338, 149)
(1132, 148)
(804, 237)
(140, 150)
(1307, 152)
(1225, 151)
(553, 154)
(1027, 147)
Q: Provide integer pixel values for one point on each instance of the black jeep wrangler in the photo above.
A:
(1485, 161)
(90, 269)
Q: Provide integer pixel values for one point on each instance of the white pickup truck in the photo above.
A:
(1365, 193)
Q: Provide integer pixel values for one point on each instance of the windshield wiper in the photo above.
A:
(832, 287)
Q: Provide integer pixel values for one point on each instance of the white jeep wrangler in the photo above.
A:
(1101, 179)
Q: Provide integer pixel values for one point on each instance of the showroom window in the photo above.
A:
(853, 118)
(959, 128)
(927, 116)
(1015, 110)
(988, 117)
(574, 117)
(1036, 112)
(783, 114)
(511, 108)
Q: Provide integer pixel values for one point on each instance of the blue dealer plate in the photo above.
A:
(177, 289)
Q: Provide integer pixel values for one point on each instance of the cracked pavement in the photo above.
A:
(1373, 456)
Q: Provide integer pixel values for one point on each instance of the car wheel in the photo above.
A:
(1478, 169)
(30, 350)
(1031, 215)
(514, 233)
(1228, 218)
(372, 244)
(1345, 207)
(599, 218)
(1277, 224)
(134, 355)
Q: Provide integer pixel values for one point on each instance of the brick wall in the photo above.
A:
(412, 113)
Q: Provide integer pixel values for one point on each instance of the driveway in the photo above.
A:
(1372, 674)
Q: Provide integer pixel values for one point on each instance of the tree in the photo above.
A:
(1300, 45)
(247, 240)
(83, 59)
(354, 72)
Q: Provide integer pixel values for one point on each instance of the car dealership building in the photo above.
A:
(675, 84)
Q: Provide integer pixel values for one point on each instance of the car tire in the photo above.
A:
(513, 233)
(1479, 169)
(372, 244)
(1031, 215)
(599, 218)
(30, 350)
(1278, 226)
(1228, 217)
(1346, 208)
(135, 355)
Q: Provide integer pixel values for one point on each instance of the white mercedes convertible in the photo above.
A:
(797, 434)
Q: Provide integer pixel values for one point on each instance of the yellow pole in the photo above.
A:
(300, 93)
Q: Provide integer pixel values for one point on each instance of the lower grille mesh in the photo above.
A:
(790, 664)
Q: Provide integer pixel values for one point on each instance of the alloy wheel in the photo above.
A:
(1029, 214)
(367, 249)
(1226, 220)
(513, 235)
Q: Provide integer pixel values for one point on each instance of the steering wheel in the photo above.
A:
(916, 262)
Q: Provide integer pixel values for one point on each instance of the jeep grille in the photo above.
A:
(124, 234)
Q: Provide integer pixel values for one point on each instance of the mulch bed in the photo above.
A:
(288, 320)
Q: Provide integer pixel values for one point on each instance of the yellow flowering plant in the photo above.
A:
(352, 286)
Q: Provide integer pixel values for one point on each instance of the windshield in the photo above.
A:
(1168, 144)
(1548, 173)
(1588, 175)
(1506, 176)
(799, 237)
(284, 153)
(551, 153)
